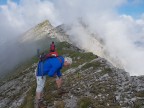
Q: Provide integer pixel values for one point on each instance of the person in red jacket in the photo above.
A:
(53, 52)
(52, 47)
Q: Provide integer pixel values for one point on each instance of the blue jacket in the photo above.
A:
(50, 66)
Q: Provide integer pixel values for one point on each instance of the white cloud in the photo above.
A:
(123, 35)
(19, 18)
(15, 19)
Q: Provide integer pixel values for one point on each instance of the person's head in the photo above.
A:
(67, 61)
(52, 42)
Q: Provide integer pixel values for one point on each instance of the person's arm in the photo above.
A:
(58, 73)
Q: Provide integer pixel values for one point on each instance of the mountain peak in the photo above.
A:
(44, 29)
(37, 32)
(45, 23)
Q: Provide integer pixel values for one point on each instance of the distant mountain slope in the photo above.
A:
(91, 82)
(42, 30)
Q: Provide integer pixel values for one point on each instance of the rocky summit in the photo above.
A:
(91, 82)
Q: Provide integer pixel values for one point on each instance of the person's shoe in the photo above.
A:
(61, 91)
(39, 104)
(36, 103)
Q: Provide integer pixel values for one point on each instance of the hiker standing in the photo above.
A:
(52, 47)
(53, 52)
(51, 67)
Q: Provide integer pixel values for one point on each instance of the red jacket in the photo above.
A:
(51, 54)
(52, 47)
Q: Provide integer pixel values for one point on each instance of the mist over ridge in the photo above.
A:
(122, 35)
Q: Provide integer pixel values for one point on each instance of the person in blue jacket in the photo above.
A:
(51, 67)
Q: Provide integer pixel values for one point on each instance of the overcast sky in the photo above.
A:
(120, 23)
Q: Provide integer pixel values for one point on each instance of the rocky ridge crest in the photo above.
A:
(91, 82)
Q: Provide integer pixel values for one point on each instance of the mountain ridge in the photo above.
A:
(91, 81)
(94, 43)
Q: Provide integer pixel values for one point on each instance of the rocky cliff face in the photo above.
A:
(13, 92)
(42, 31)
(91, 82)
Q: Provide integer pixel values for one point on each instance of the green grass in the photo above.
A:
(30, 97)
(84, 102)
(63, 49)
(105, 71)
(95, 65)
(140, 94)
(138, 104)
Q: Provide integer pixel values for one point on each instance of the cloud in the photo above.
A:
(122, 34)
(15, 19)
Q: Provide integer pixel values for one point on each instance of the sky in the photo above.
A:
(130, 7)
(133, 8)
(119, 23)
